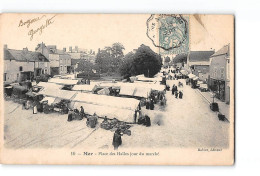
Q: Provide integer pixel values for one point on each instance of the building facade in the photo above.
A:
(198, 62)
(21, 65)
(219, 77)
(60, 60)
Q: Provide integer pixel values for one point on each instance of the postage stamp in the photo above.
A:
(169, 33)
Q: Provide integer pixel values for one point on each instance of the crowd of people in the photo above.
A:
(176, 93)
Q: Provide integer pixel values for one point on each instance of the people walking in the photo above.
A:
(117, 140)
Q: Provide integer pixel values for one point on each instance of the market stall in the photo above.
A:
(62, 99)
(109, 101)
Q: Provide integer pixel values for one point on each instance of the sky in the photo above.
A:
(93, 31)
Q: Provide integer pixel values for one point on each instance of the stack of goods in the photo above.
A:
(91, 121)
(114, 124)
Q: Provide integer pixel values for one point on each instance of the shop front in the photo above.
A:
(219, 88)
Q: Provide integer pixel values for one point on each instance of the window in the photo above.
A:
(61, 68)
(20, 68)
(5, 77)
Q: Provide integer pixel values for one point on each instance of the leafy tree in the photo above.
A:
(126, 68)
(85, 67)
(167, 59)
(144, 61)
(109, 59)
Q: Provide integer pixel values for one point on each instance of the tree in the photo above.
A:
(85, 67)
(144, 61)
(126, 67)
(110, 58)
(167, 59)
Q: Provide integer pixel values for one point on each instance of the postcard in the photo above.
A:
(117, 89)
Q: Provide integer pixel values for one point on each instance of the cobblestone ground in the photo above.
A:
(186, 122)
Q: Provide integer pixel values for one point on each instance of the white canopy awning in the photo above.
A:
(109, 101)
(49, 100)
(84, 87)
(63, 81)
(127, 90)
(191, 75)
(48, 85)
(62, 94)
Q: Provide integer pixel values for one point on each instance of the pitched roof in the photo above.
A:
(24, 56)
(223, 51)
(198, 56)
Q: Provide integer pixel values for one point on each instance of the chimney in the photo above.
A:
(25, 50)
(70, 49)
(64, 49)
(5, 46)
(76, 48)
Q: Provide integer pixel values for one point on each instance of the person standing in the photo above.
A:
(180, 95)
(35, 111)
(117, 140)
(147, 121)
(173, 89)
(176, 94)
(152, 104)
(147, 104)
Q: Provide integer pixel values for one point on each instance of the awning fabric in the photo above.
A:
(84, 87)
(195, 78)
(142, 92)
(191, 75)
(63, 81)
(111, 112)
(127, 90)
(48, 85)
(49, 100)
(153, 86)
(136, 90)
(184, 72)
(104, 91)
(109, 101)
(205, 86)
(62, 94)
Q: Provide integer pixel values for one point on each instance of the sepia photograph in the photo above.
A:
(117, 89)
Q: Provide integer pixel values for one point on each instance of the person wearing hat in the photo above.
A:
(117, 140)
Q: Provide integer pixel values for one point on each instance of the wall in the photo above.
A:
(54, 60)
(44, 66)
(11, 68)
(201, 71)
(65, 62)
(218, 67)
